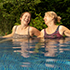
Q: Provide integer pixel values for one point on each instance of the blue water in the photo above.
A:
(52, 54)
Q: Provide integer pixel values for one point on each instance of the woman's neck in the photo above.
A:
(23, 26)
(52, 27)
(51, 24)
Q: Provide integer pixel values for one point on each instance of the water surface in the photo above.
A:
(35, 54)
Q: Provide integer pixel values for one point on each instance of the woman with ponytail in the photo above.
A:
(53, 30)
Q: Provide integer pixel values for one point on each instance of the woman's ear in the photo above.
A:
(53, 17)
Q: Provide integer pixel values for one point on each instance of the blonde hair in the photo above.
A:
(56, 18)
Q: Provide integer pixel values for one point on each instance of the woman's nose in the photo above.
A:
(44, 18)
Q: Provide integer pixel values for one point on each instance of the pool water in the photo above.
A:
(51, 54)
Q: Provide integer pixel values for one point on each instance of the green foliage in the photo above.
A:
(1, 33)
(38, 22)
(10, 11)
(17, 24)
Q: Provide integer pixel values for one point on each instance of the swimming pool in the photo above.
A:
(52, 54)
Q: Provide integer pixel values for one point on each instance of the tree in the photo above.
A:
(10, 11)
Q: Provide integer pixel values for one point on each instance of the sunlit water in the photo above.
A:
(52, 54)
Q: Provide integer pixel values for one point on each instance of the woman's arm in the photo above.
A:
(41, 33)
(10, 35)
(34, 31)
(66, 31)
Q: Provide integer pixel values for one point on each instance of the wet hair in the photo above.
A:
(24, 13)
(56, 18)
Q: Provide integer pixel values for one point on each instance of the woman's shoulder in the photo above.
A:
(62, 27)
(32, 28)
(14, 27)
(43, 29)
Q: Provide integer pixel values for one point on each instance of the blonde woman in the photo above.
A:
(53, 30)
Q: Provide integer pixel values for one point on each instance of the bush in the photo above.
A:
(38, 22)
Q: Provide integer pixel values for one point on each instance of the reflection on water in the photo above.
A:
(25, 46)
(35, 54)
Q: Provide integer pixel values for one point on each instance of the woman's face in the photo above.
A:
(47, 19)
(25, 19)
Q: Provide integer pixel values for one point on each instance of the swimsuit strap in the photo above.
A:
(44, 31)
(57, 28)
(54, 32)
(28, 31)
(15, 28)
(28, 37)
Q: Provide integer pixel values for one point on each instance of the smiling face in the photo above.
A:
(25, 18)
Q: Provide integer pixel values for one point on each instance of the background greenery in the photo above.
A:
(10, 11)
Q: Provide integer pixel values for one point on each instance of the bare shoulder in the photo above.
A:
(63, 27)
(63, 30)
(34, 31)
(33, 28)
(42, 30)
(14, 27)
